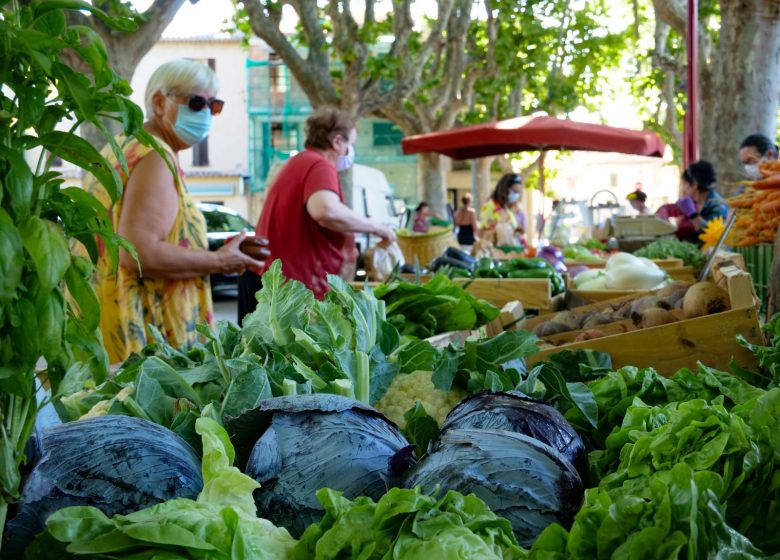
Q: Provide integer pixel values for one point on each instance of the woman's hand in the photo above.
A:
(231, 259)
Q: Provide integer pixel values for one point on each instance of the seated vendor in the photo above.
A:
(700, 202)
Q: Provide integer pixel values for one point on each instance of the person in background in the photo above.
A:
(496, 219)
(520, 219)
(304, 216)
(756, 149)
(700, 202)
(421, 214)
(466, 221)
(168, 286)
(637, 201)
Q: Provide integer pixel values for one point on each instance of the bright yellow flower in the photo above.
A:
(712, 232)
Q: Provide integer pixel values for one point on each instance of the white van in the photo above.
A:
(373, 198)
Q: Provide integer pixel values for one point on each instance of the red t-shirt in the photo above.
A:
(308, 251)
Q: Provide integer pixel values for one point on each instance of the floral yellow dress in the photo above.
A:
(497, 224)
(128, 301)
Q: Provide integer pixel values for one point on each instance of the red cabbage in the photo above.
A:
(518, 477)
(306, 442)
(118, 464)
(514, 412)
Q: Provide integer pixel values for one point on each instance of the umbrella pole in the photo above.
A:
(541, 189)
(691, 120)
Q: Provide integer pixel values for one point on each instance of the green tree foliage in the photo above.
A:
(550, 56)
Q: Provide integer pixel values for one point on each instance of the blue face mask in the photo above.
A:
(345, 162)
(192, 126)
(514, 196)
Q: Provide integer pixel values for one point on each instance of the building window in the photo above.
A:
(387, 134)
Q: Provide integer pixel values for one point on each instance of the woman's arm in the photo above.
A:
(327, 210)
(149, 210)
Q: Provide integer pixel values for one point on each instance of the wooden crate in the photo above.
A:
(682, 273)
(667, 348)
(533, 293)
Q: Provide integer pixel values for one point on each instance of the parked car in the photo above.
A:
(223, 223)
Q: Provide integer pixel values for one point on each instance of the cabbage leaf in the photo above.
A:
(405, 523)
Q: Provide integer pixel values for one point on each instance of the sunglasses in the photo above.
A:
(198, 103)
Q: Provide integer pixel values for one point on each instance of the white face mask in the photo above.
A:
(751, 170)
(345, 162)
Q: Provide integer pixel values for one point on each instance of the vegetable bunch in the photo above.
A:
(291, 344)
(407, 524)
(438, 306)
(673, 248)
(582, 254)
(758, 216)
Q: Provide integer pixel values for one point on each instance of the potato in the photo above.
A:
(656, 317)
(704, 298)
(596, 319)
(549, 328)
(590, 334)
(569, 318)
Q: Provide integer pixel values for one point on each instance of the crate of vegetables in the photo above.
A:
(623, 275)
(535, 282)
(670, 329)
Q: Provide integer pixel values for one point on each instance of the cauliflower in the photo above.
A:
(100, 409)
(406, 389)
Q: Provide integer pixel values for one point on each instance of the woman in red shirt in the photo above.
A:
(304, 217)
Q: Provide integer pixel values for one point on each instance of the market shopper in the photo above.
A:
(465, 219)
(497, 222)
(304, 216)
(638, 199)
(420, 222)
(756, 149)
(700, 202)
(168, 286)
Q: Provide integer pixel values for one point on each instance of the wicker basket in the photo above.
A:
(425, 246)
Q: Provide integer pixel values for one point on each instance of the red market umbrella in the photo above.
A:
(541, 133)
(533, 133)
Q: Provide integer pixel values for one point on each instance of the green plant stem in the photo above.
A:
(289, 387)
(343, 387)
(362, 383)
(3, 515)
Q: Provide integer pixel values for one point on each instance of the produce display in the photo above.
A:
(623, 271)
(758, 215)
(674, 302)
(582, 254)
(565, 459)
(673, 248)
(549, 264)
(437, 306)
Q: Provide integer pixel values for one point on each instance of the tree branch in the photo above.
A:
(673, 13)
(311, 73)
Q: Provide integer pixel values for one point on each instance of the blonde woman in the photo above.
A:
(168, 286)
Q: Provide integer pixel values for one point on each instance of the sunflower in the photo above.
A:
(712, 232)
